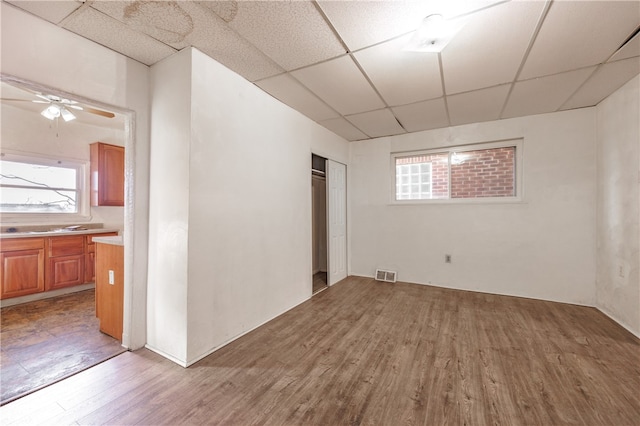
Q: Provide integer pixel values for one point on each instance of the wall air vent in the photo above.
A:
(387, 276)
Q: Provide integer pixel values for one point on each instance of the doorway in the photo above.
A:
(329, 222)
(319, 222)
(68, 335)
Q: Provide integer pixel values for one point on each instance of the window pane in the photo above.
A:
(483, 173)
(416, 173)
(21, 200)
(41, 188)
(38, 176)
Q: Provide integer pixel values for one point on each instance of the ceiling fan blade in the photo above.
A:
(41, 102)
(99, 112)
(78, 107)
(12, 99)
(43, 97)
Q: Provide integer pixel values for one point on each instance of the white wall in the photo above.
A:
(542, 248)
(247, 171)
(169, 206)
(29, 133)
(40, 52)
(618, 229)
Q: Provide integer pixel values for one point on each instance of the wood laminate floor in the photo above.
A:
(364, 352)
(44, 341)
(319, 281)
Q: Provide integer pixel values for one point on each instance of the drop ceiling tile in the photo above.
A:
(212, 36)
(166, 21)
(629, 50)
(292, 33)
(182, 24)
(364, 23)
(477, 106)
(340, 84)
(377, 123)
(606, 80)
(576, 34)
(289, 91)
(96, 26)
(484, 55)
(52, 11)
(422, 115)
(401, 77)
(545, 94)
(342, 127)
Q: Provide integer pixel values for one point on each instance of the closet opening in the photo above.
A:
(319, 222)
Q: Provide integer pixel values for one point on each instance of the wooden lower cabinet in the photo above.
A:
(22, 267)
(90, 268)
(110, 296)
(90, 256)
(33, 265)
(66, 261)
(65, 271)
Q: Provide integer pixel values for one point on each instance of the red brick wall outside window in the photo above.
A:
(474, 174)
(484, 173)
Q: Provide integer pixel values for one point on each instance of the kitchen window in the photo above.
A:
(39, 186)
(486, 171)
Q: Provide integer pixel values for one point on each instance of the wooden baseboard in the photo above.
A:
(45, 295)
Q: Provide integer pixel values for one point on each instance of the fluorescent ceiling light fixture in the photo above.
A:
(54, 111)
(434, 33)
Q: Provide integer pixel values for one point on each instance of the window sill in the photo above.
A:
(43, 218)
(487, 200)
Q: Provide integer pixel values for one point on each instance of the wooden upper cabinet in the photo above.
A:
(107, 174)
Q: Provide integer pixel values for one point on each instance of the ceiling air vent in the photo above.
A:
(387, 276)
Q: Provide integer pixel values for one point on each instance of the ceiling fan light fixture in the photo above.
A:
(66, 114)
(51, 112)
(434, 33)
(54, 111)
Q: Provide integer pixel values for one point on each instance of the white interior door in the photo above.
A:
(337, 223)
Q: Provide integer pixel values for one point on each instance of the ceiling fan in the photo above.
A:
(60, 107)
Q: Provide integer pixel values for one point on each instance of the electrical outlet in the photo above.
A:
(111, 277)
(447, 258)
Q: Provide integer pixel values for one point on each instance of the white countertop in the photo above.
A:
(115, 240)
(56, 233)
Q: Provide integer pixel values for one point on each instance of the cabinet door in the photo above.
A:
(22, 273)
(90, 267)
(90, 258)
(109, 297)
(65, 271)
(107, 175)
(66, 246)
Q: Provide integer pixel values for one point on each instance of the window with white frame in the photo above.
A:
(35, 185)
(486, 170)
(413, 179)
